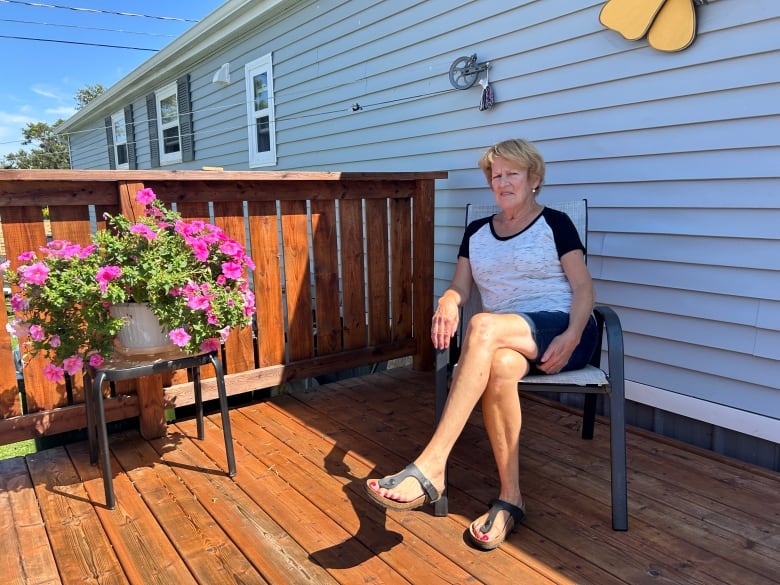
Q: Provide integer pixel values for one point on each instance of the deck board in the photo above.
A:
(296, 512)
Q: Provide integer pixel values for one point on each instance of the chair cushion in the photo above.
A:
(587, 376)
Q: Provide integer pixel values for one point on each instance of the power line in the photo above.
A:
(74, 42)
(131, 32)
(96, 10)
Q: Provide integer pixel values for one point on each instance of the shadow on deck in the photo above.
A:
(296, 513)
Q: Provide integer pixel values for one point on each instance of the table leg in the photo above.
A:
(223, 407)
(102, 432)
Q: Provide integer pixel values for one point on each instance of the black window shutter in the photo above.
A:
(185, 118)
(154, 143)
(110, 140)
(130, 130)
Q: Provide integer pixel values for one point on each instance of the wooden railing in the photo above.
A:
(344, 277)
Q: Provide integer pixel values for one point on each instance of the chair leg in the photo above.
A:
(617, 433)
(589, 416)
(441, 507)
(223, 407)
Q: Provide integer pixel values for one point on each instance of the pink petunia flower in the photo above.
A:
(143, 230)
(232, 248)
(211, 344)
(199, 248)
(55, 341)
(179, 337)
(37, 333)
(106, 274)
(96, 360)
(54, 373)
(199, 303)
(232, 270)
(87, 250)
(26, 256)
(19, 303)
(73, 364)
(34, 274)
(145, 196)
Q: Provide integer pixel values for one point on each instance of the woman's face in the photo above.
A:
(511, 185)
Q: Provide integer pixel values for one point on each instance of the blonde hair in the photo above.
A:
(517, 151)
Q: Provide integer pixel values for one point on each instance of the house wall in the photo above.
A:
(677, 154)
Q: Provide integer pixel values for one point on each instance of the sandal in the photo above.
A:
(516, 516)
(430, 493)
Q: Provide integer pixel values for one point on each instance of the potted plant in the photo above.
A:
(190, 274)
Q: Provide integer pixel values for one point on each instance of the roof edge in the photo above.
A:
(219, 27)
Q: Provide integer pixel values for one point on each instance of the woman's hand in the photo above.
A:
(558, 352)
(445, 323)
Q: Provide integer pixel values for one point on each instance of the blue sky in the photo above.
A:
(45, 76)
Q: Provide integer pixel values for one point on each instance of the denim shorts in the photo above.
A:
(546, 325)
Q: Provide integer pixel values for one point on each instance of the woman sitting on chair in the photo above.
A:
(529, 265)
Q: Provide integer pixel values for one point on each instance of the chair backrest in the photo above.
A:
(577, 210)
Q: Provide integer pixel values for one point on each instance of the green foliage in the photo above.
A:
(192, 275)
(49, 150)
(88, 93)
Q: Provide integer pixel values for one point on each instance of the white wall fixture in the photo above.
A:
(222, 76)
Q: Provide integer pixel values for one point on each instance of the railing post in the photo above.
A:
(422, 280)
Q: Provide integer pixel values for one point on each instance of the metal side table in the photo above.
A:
(127, 367)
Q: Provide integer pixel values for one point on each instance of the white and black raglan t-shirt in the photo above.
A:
(522, 273)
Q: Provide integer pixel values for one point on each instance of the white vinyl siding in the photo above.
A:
(260, 112)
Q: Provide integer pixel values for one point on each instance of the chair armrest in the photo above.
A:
(614, 330)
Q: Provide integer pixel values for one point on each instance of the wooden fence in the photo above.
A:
(344, 276)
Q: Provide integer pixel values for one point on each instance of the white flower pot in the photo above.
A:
(142, 332)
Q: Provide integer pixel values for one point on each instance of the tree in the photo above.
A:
(88, 93)
(49, 150)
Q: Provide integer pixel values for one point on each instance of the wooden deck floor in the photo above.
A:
(296, 513)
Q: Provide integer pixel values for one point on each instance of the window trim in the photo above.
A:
(170, 90)
(252, 69)
(116, 144)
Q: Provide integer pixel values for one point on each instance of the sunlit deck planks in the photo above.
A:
(296, 513)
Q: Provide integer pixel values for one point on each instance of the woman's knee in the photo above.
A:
(508, 364)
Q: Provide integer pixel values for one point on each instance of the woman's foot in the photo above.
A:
(491, 529)
(406, 490)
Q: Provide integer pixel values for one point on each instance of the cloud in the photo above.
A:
(61, 112)
(46, 92)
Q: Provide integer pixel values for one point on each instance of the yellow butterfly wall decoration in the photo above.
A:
(670, 25)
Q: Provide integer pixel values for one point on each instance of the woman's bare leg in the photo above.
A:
(487, 333)
(503, 419)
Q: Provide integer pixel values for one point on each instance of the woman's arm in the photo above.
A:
(583, 297)
(447, 315)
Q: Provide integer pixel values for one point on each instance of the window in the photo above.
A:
(120, 135)
(260, 112)
(170, 123)
(168, 134)
(119, 130)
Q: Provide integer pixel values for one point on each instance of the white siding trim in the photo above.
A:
(741, 421)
